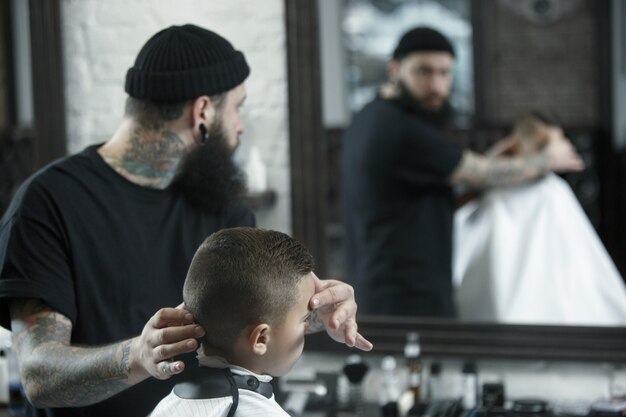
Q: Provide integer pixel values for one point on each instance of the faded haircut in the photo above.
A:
(244, 276)
(162, 111)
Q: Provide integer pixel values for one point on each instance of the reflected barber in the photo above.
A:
(398, 173)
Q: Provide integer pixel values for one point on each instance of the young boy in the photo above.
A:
(252, 288)
(529, 254)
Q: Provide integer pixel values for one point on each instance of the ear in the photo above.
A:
(393, 70)
(202, 112)
(259, 338)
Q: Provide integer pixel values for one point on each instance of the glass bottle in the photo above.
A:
(412, 352)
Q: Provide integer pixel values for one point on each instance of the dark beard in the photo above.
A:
(207, 177)
(440, 117)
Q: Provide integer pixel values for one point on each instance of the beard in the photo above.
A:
(439, 117)
(207, 177)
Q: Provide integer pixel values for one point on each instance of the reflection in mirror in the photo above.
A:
(553, 62)
(372, 29)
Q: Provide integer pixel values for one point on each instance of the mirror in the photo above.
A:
(590, 123)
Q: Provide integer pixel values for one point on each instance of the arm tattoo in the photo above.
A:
(57, 374)
(484, 172)
(315, 323)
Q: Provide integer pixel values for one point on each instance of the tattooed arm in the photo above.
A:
(56, 373)
(484, 172)
(334, 310)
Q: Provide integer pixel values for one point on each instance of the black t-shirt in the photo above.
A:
(106, 253)
(398, 211)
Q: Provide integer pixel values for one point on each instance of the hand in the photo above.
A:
(508, 146)
(169, 333)
(389, 90)
(562, 156)
(334, 304)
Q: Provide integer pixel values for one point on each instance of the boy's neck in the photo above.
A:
(242, 360)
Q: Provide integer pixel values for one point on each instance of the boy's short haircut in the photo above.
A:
(243, 276)
(529, 125)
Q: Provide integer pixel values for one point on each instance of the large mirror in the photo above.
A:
(512, 55)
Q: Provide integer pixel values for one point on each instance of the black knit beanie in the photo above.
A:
(422, 39)
(184, 62)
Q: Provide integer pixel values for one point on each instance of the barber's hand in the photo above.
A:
(562, 156)
(508, 146)
(334, 304)
(169, 333)
(389, 90)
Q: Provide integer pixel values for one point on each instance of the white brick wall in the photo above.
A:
(102, 38)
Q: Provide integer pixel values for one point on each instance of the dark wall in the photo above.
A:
(548, 64)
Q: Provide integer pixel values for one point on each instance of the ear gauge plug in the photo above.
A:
(204, 133)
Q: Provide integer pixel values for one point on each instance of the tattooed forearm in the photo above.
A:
(315, 323)
(482, 172)
(56, 374)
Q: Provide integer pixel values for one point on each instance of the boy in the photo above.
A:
(252, 288)
(528, 254)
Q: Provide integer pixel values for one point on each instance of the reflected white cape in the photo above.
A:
(528, 254)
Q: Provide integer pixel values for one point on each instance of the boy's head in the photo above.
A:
(250, 289)
(534, 130)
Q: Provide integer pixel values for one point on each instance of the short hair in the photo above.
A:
(243, 276)
(528, 127)
(163, 111)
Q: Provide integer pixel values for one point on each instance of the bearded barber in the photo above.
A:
(398, 173)
(95, 247)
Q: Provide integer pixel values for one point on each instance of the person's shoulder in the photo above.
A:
(48, 183)
(381, 105)
(70, 165)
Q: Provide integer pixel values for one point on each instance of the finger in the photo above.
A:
(168, 316)
(362, 343)
(350, 332)
(174, 334)
(338, 293)
(169, 351)
(343, 313)
(167, 369)
(182, 306)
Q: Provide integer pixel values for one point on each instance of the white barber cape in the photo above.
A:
(528, 254)
(251, 404)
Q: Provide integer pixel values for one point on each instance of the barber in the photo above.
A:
(95, 247)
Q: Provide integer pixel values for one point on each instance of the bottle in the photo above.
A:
(470, 386)
(256, 172)
(412, 351)
(17, 403)
(4, 377)
(390, 387)
(435, 385)
(355, 370)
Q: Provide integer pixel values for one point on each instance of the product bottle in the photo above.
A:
(256, 173)
(390, 387)
(355, 370)
(435, 385)
(4, 377)
(412, 353)
(470, 386)
(17, 404)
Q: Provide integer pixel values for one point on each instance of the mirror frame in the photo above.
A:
(438, 337)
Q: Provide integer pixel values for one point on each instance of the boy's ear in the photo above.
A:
(259, 338)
